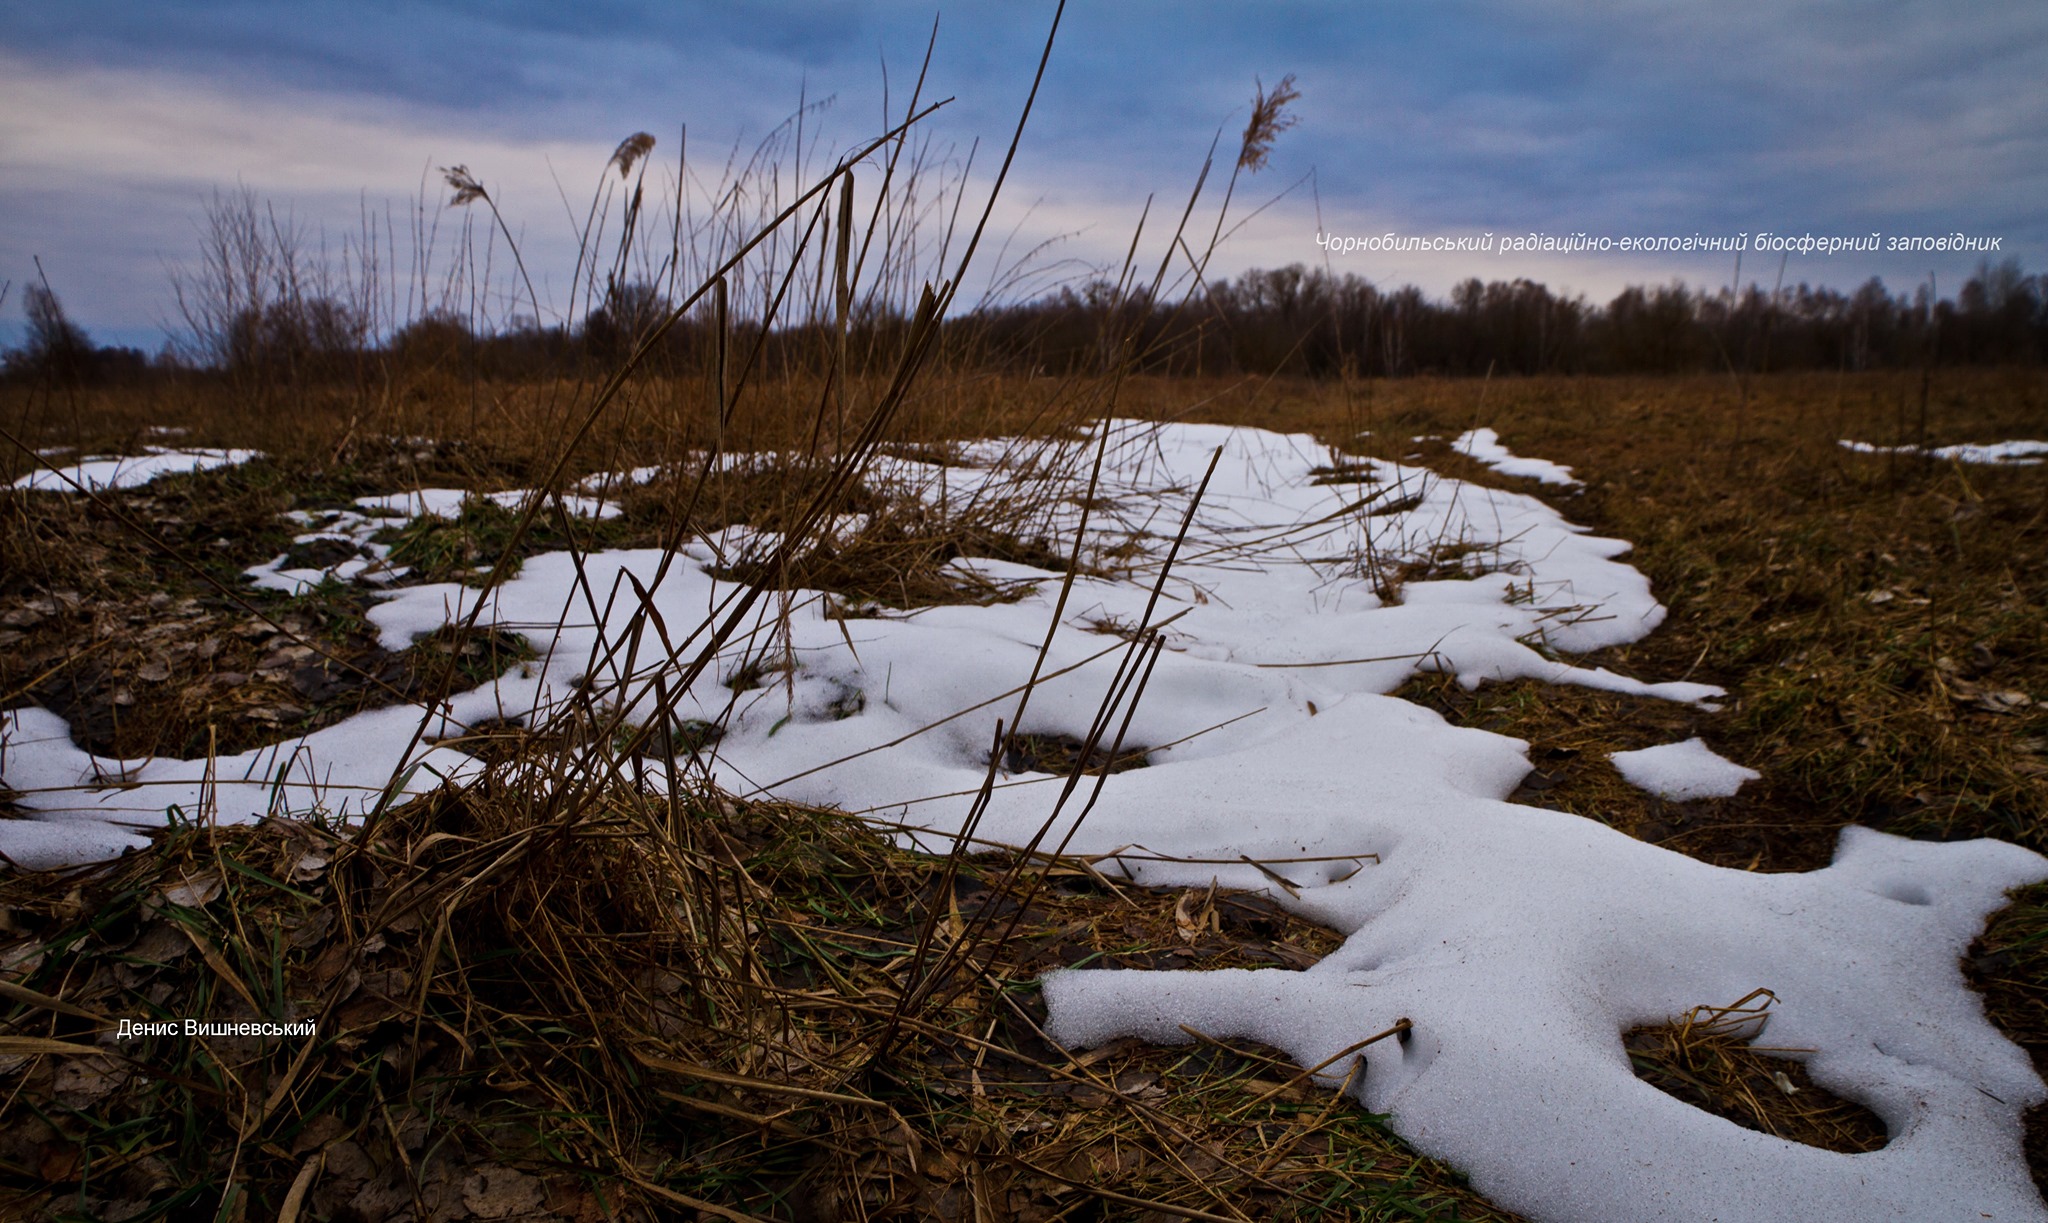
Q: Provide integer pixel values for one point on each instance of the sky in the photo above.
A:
(1626, 118)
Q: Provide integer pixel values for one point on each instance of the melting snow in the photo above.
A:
(1683, 771)
(419, 503)
(88, 807)
(109, 471)
(448, 502)
(1484, 445)
(350, 535)
(362, 558)
(2002, 454)
(1520, 942)
(604, 483)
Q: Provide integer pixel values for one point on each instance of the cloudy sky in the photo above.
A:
(1611, 118)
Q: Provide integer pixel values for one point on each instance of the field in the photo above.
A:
(556, 992)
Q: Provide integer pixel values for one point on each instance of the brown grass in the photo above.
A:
(639, 1009)
(1709, 1057)
(757, 955)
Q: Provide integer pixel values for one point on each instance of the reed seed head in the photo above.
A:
(465, 185)
(630, 150)
(1269, 119)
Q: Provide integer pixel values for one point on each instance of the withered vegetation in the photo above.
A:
(645, 1006)
(593, 1040)
(559, 993)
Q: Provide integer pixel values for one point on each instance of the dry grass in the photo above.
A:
(559, 993)
(639, 1009)
(609, 1005)
(1709, 1057)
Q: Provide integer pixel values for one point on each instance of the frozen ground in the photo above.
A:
(1520, 942)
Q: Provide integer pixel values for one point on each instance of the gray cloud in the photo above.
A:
(1509, 115)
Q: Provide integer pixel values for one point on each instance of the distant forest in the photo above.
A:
(1294, 320)
(1305, 321)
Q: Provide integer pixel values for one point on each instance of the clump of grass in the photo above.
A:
(439, 549)
(1064, 754)
(894, 541)
(641, 1006)
(1708, 1058)
(2007, 964)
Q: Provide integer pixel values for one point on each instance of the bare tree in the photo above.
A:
(54, 344)
(261, 300)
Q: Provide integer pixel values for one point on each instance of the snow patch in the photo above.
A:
(1484, 445)
(1682, 771)
(1999, 454)
(419, 503)
(102, 472)
(86, 808)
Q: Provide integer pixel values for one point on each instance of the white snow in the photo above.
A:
(448, 502)
(1520, 942)
(419, 503)
(1484, 445)
(2002, 454)
(371, 560)
(575, 504)
(1681, 771)
(114, 471)
(86, 806)
(606, 483)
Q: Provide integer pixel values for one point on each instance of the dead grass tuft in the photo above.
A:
(643, 1006)
(1709, 1059)
(1065, 754)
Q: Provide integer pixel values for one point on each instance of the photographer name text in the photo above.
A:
(135, 1029)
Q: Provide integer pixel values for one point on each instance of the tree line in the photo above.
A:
(1292, 320)
(1305, 321)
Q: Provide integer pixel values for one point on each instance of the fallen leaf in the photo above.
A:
(82, 1082)
(1190, 924)
(161, 944)
(194, 891)
(1987, 697)
(59, 1161)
